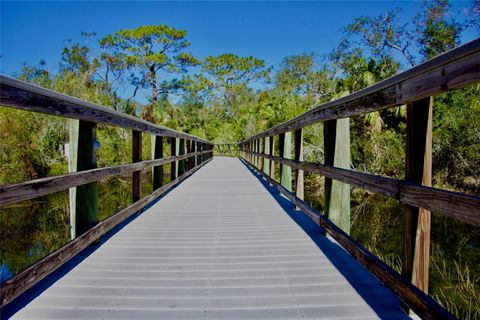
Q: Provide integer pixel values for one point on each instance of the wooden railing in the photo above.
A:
(453, 70)
(188, 154)
(227, 149)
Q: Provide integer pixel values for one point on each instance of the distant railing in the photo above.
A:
(453, 70)
(188, 154)
(227, 149)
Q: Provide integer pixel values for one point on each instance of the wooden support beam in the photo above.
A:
(187, 150)
(193, 147)
(455, 205)
(180, 151)
(16, 192)
(272, 151)
(266, 149)
(157, 171)
(136, 157)
(82, 156)
(285, 148)
(416, 238)
(337, 153)
(299, 176)
(173, 152)
(199, 148)
(253, 148)
(260, 149)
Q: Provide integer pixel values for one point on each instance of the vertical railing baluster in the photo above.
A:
(260, 150)
(272, 152)
(187, 161)
(299, 178)
(285, 148)
(173, 164)
(416, 239)
(83, 199)
(337, 153)
(157, 172)
(266, 150)
(181, 151)
(136, 157)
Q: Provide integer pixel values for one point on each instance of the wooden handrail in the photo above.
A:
(423, 305)
(454, 205)
(432, 77)
(455, 69)
(82, 183)
(26, 279)
(12, 193)
(21, 95)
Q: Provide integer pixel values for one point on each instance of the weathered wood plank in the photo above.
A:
(423, 305)
(173, 152)
(416, 231)
(136, 157)
(181, 163)
(11, 193)
(337, 154)
(266, 149)
(21, 282)
(285, 150)
(21, 95)
(260, 148)
(193, 148)
(73, 127)
(85, 210)
(272, 151)
(454, 69)
(157, 174)
(299, 176)
(455, 205)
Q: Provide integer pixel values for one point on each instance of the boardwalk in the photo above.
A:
(219, 246)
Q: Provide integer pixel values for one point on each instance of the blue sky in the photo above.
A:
(31, 31)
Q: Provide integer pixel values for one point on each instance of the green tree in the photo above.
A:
(382, 34)
(228, 75)
(437, 29)
(302, 75)
(151, 50)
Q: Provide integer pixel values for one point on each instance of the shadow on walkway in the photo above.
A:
(30, 295)
(375, 294)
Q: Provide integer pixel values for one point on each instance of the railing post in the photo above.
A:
(173, 164)
(181, 151)
(285, 148)
(188, 161)
(136, 157)
(157, 171)
(260, 150)
(266, 150)
(193, 159)
(197, 158)
(82, 156)
(272, 164)
(337, 153)
(299, 179)
(416, 238)
(254, 149)
(250, 150)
